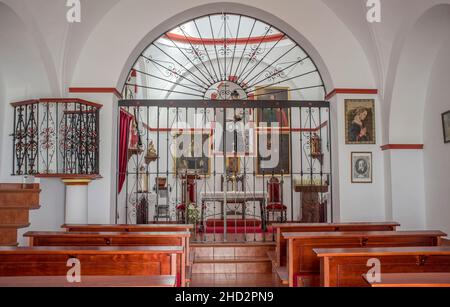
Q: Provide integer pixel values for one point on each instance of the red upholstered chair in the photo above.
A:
(188, 196)
(275, 204)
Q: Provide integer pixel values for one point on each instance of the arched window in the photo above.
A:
(223, 57)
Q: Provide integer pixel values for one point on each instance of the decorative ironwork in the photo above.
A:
(188, 60)
(219, 71)
(304, 142)
(55, 137)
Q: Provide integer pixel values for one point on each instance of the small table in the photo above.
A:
(396, 280)
(237, 197)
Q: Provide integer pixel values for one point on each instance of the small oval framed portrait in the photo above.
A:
(361, 167)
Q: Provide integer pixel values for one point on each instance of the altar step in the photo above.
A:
(231, 258)
(233, 222)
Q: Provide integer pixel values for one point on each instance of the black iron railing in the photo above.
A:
(228, 186)
(55, 137)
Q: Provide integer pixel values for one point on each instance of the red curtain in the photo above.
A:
(125, 121)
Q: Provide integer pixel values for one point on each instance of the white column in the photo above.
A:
(76, 207)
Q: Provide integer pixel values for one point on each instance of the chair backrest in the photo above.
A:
(192, 193)
(236, 183)
(189, 193)
(275, 190)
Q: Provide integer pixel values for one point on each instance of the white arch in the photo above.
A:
(107, 59)
(407, 94)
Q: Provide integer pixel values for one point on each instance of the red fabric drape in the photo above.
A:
(124, 132)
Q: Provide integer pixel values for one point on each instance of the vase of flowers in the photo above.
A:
(193, 214)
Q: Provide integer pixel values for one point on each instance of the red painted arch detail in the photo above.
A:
(229, 41)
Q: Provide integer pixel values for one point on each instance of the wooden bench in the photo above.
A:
(116, 239)
(344, 267)
(281, 243)
(126, 228)
(94, 261)
(416, 280)
(89, 281)
(302, 261)
(131, 228)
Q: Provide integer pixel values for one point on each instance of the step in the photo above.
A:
(233, 223)
(231, 258)
(189, 273)
(283, 274)
(19, 196)
(13, 216)
(15, 201)
(232, 266)
(273, 259)
(8, 236)
(219, 250)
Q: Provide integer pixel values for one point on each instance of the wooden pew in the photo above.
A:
(89, 281)
(94, 261)
(344, 267)
(281, 243)
(126, 228)
(116, 239)
(408, 280)
(131, 228)
(302, 261)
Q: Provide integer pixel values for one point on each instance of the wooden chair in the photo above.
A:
(234, 183)
(275, 203)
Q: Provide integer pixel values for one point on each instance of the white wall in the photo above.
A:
(407, 188)
(436, 155)
(50, 216)
(44, 56)
(357, 201)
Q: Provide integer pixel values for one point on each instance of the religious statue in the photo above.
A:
(151, 155)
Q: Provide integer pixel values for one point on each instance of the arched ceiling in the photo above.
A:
(218, 55)
(413, 73)
(308, 19)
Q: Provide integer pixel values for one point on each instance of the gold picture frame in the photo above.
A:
(285, 160)
(233, 165)
(193, 164)
(360, 121)
(272, 93)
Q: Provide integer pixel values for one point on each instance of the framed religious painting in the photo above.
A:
(446, 126)
(233, 165)
(279, 117)
(274, 157)
(360, 121)
(192, 153)
(362, 169)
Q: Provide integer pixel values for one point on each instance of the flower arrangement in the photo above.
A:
(193, 214)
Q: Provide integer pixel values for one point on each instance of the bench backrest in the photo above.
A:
(99, 261)
(320, 227)
(346, 267)
(302, 260)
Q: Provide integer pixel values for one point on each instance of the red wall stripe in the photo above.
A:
(351, 91)
(402, 147)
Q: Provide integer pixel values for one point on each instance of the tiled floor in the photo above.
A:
(235, 280)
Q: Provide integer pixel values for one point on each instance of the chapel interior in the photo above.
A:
(221, 144)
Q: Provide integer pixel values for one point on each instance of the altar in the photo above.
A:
(234, 197)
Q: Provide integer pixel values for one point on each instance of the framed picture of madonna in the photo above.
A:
(360, 121)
